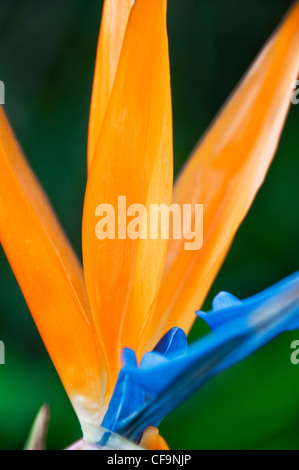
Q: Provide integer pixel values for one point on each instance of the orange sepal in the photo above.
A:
(151, 440)
(113, 26)
(134, 159)
(50, 278)
(224, 174)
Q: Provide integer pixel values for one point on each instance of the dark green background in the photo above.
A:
(47, 51)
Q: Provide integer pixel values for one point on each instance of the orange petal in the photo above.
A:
(151, 440)
(50, 278)
(133, 159)
(114, 21)
(224, 174)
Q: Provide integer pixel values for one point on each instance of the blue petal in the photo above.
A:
(129, 358)
(174, 343)
(242, 328)
(227, 308)
(171, 384)
(225, 300)
(168, 375)
(128, 397)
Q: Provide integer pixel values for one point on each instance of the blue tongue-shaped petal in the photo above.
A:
(225, 300)
(241, 328)
(128, 397)
(169, 375)
(182, 377)
(174, 343)
(227, 308)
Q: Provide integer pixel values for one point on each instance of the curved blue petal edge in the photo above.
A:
(227, 308)
(172, 372)
(129, 397)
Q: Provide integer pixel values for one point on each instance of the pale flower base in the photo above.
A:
(103, 440)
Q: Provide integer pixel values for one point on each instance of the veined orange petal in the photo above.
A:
(224, 174)
(114, 21)
(50, 278)
(133, 159)
(151, 440)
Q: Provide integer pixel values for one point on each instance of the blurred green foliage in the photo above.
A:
(47, 52)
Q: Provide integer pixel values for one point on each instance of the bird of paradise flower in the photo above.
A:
(116, 331)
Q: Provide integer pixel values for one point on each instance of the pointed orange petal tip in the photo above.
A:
(133, 162)
(152, 440)
(113, 26)
(224, 174)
